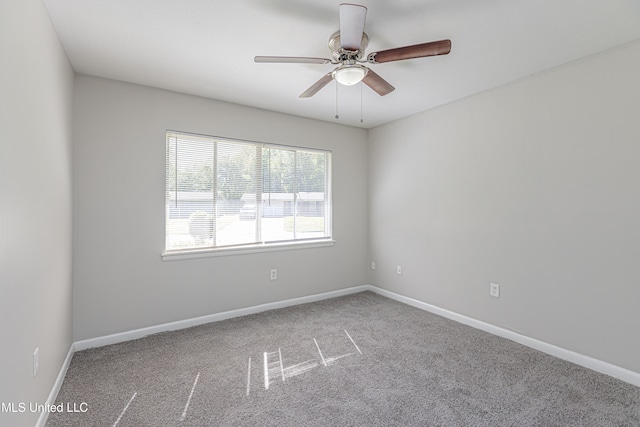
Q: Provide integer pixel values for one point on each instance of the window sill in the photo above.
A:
(249, 249)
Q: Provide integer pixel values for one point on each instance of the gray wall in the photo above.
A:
(36, 93)
(534, 186)
(120, 280)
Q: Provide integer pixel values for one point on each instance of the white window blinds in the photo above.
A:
(224, 193)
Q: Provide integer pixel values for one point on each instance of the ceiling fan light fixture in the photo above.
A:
(349, 75)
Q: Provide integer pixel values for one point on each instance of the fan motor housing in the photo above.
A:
(340, 54)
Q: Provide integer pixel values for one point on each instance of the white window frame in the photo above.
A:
(212, 251)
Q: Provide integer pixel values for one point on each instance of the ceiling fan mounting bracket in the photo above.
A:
(340, 55)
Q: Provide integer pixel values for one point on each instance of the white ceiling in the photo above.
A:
(206, 47)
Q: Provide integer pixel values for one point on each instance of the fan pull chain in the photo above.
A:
(337, 116)
(361, 121)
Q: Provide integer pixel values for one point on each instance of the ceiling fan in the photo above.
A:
(348, 46)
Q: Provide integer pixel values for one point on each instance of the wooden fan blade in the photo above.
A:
(317, 86)
(377, 83)
(441, 47)
(291, 60)
(352, 17)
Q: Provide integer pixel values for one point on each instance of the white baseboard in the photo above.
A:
(623, 374)
(42, 420)
(187, 323)
(571, 356)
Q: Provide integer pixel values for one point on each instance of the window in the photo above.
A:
(223, 193)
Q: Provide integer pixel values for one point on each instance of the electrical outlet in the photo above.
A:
(274, 273)
(398, 270)
(373, 265)
(494, 290)
(36, 361)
